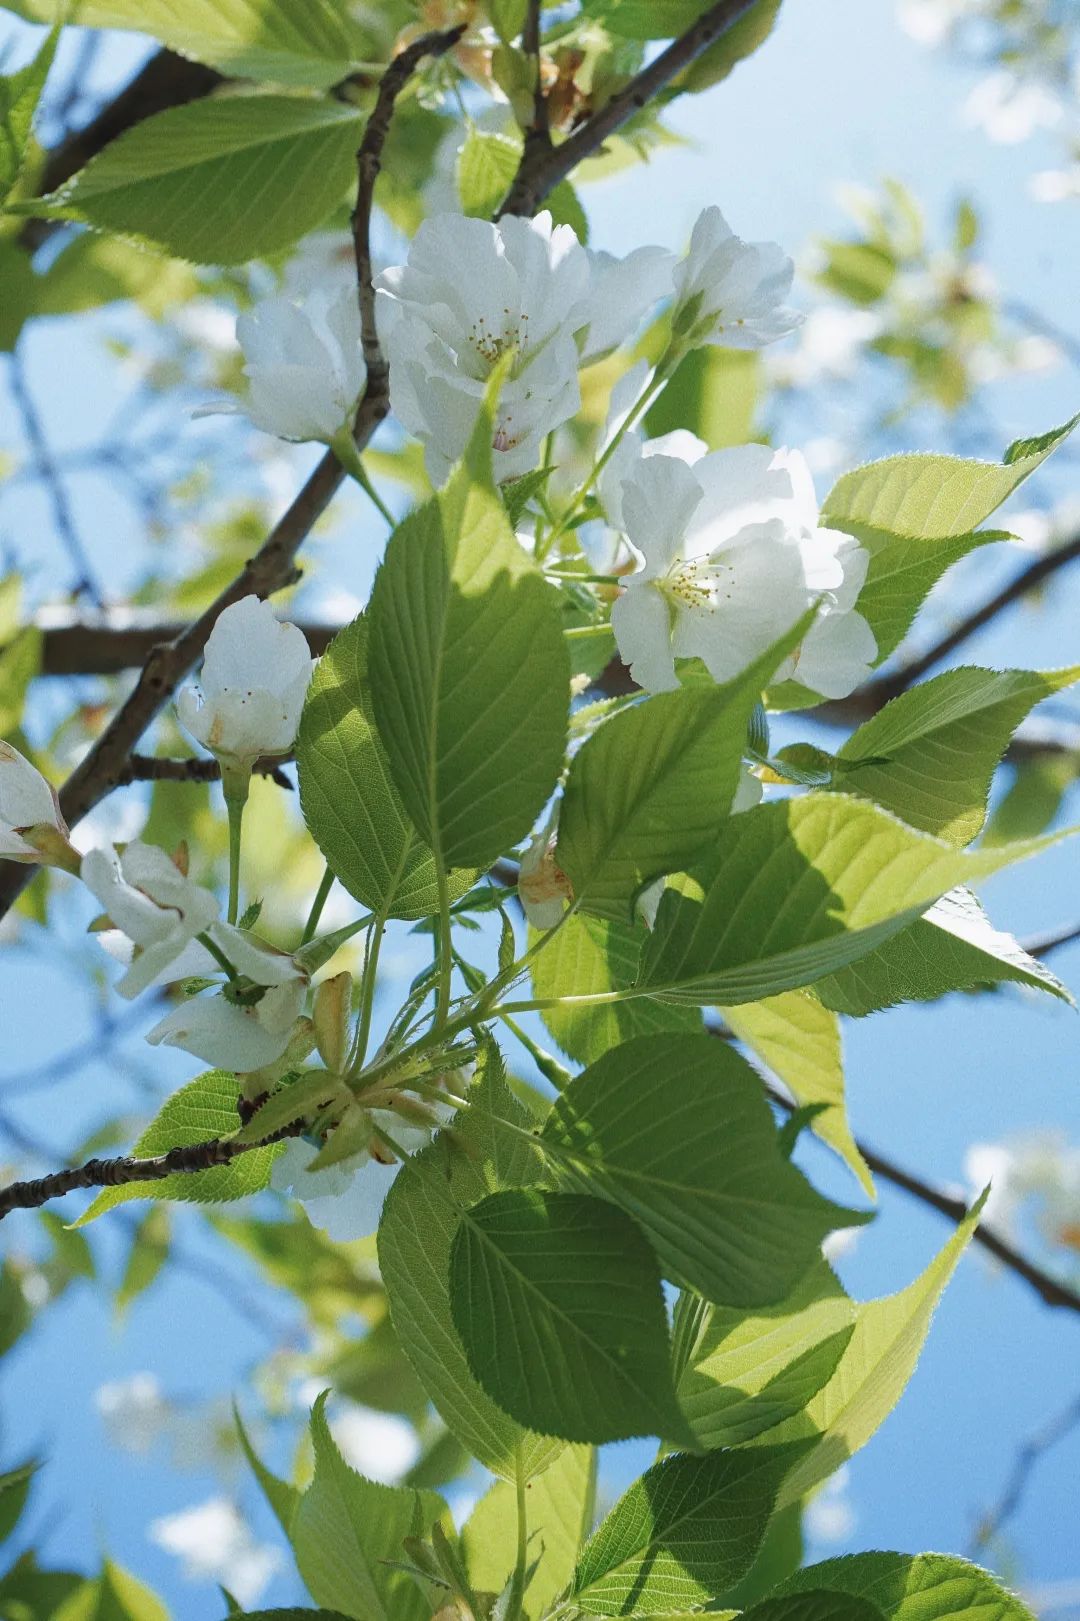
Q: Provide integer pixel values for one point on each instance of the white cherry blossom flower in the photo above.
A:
(470, 292)
(543, 888)
(303, 361)
(217, 1545)
(732, 556)
(150, 901)
(31, 826)
(731, 292)
(255, 675)
(236, 1029)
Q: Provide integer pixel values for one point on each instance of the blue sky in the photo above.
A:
(838, 94)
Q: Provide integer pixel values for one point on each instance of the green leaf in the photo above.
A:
(203, 1109)
(519, 492)
(469, 669)
(19, 95)
(418, 1224)
(952, 947)
(218, 181)
(931, 753)
(1033, 799)
(114, 1596)
(558, 1303)
(345, 1530)
(147, 1255)
(675, 1131)
(352, 809)
(799, 1041)
(300, 42)
(587, 957)
(814, 1605)
(15, 1488)
(687, 1529)
(734, 46)
(485, 168)
(20, 663)
(914, 1587)
(560, 1506)
(281, 1496)
(902, 573)
(873, 1371)
(797, 890)
(654, 784)
(741, 1368)
(507, 18)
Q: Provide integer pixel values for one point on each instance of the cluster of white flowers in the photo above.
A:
(1037, 1175)
(216, 1544)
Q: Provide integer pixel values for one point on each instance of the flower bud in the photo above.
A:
(330, 1014)
(31, 826)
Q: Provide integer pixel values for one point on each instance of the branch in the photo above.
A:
(1028, 1455)
(114, 1173)
(545, 165)
(271, 569)
(154, 768)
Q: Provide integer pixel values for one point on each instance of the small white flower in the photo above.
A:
(217, 1545)
(255, 675)
(233, 1030)
(26, 801)
(470, 292)
(543, 888)
(152, 903)
(1009, 109)
(134, 1411)
(304, 363)
(1055, 185)
(731, 292)
(324, 260)
(731, 556)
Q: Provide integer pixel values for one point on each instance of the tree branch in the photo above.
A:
(154, 768)
(545, 165)
(1027, 1457)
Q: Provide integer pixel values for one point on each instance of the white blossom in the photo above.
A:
(150, 901)
(26, 801)
(469, 293)
(255, 675)
(543, 888)
(1009, 109)
(217, 1545)
(324, 260)
(231, 1029)
(303, 361)
(731, 556)
(731, 292)
(134, 1411)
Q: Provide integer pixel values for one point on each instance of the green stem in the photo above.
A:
(216, 952)
(367, 992)
(317, 907)
(446, 958)
(344, 448)
(517, 1584)
(583, 579)
(236, 792)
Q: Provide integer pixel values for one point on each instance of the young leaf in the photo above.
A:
(588, 956)
(676, 1132)
(419, 1221)
(202, 1110)
(560, 1508)
(818, 1604)
(297, 42)
(738, 1368)
(799, 1040)
(952, 947)
(687, 1529)
(797, 890)
(350, 804)
(346, 1530)
(558, 1303)
(218, 181)
(914, 1587)
(282, 1497)
(469, 669)
(873, 1371)
(931, 753)
(19, 95)
(654, 784)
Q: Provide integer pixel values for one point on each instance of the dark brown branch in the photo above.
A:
(538, 131)
(544, 167)
(154, 768)
(271, 569)
(109, 649)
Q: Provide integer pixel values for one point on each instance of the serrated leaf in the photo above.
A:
(282, 1497)
(301, 42)
(218, 181)
(797, 890)
(734, 46)
(352, 809)
(558, 1303)
(19, 95)
(675, 1131)
(486, 165)
(202, 1110)
(560, 1506)
(931, 753)
(814, 1605)
(741, 1367)
(469, 670)
(903, 572)
(418, 1224)
(115, 1595)
(654, 784)
(588, 956)
(914, 1587)
(873, 1372)
(519, 492)
(687, 1529)
(799, 1041)
(952, 947)
(345, 1529)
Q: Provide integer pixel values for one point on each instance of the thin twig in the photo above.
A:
(1041, 945)
(538, 131)
(1028, 1455)
(154, 768)
(85, 584)
(544, 166)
